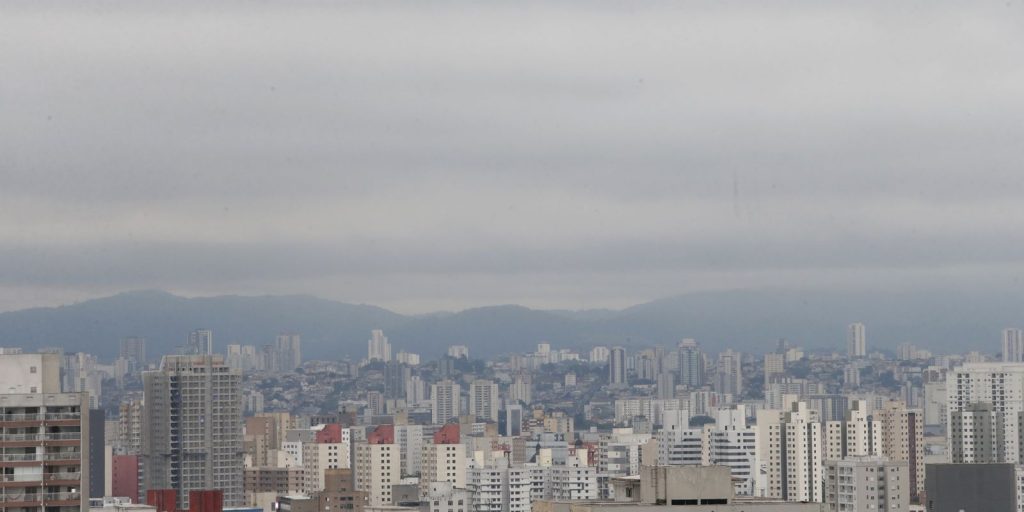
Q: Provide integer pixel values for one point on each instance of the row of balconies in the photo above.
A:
(41, 496)
(49, 416)
(39, 457)
(40, 477)
(50, 436)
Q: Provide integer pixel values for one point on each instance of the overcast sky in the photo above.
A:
(436, 155)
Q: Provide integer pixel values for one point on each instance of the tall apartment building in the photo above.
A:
(678, 444)
(728, 442)
(129, 428)
(856, 435)
(977, 436)
(774, 364)
(445, 398)
(320, 456)
(572, 481)
(998, 384)
(665, 386)
(289, 352)
(192, 427)
(1013, 345)
(617, 367)
(264, 433)
(378, 465)
(729, 374)
(599, 355)
(378, 348)
(499, 486)
(415, 390)
(521, 389)
(200, 342)
(903, 440)
(733, 443)
(43, 437)
(691, 364)
(795, 455)
(410, 440)
(483, 400)
(133, 348)
(444, 459)
(866, 484)
(856, 340)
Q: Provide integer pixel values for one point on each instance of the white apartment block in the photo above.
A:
(854, 436)
(377, 347)
(500, 487)
(410, 441)
(445, 398)
(795, 455)
(680, 445)
(483, 400)
(572, 481)
(733, 443)
(998, 384)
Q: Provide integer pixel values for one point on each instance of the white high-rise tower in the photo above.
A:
(378, 348)
(1013, 345)
(856, 341)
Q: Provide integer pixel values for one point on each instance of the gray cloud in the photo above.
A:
(558, 154)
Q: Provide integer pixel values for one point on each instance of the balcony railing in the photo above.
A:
(61, 496)
(21, 437)
(21, 417)
(40, 417)
(30, 477)
(22, 457)
(63, 415)
(64, 456)
(53, 436)
(40, 477)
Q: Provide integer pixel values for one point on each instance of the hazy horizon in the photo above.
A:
(444, 155)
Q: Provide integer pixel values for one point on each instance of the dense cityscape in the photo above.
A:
(550, 430)
(486, 256)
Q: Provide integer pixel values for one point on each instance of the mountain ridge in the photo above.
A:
(750, 320)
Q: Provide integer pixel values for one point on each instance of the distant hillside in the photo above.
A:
(328, 328)
(745, 320)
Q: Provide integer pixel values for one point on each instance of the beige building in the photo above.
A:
(377, 467)
(318, 458)
(274, 480)
(443, 463)
(675, 488)
(903, 440)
